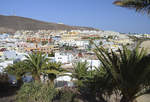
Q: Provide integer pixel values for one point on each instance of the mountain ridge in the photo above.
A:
(10, 24)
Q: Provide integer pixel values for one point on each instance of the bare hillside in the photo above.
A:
(12, 23)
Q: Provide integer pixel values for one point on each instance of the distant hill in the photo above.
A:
(10, 24)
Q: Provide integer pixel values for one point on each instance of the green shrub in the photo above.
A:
(44, 42)
(51, 55)
(3, 78)
(68, 48)
(67, 94)
(36, 92)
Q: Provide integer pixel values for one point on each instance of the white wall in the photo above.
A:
(63, 58)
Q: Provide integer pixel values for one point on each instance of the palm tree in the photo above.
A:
(36, 62)
(92, 83)
(18, 69)
(84, 80)
(129, 70)
(80, 71)
(99, 85)
(138, 5)
(53, 69)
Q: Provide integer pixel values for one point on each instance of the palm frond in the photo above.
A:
(138, 5)
(18, 69)
(128, 69)
(36, 62)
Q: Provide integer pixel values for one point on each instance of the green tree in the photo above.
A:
(110, 37)
(44, 42)
(84, 76)
(92, 84)
(53, 69)
(138, 5)
(100, 43)
(97, 86)
(68, 48)
(52, 54)
(36, 62)
(129, 70)
(80, 71)
(18, 69)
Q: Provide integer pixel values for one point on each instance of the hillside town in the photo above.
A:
(66, 47)
(74, 51)
(66, 50)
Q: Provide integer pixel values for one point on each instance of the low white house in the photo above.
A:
(4, 64)
(9, 55)
(66, 80)
(81, 43)
(63, 57)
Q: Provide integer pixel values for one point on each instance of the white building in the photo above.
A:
(63, 57)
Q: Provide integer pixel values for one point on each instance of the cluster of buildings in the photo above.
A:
(67, 47)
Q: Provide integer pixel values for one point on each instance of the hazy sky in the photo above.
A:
(101, 14)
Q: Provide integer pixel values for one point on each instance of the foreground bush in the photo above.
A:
(4, 83)
(36, 92)
(67, 94)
